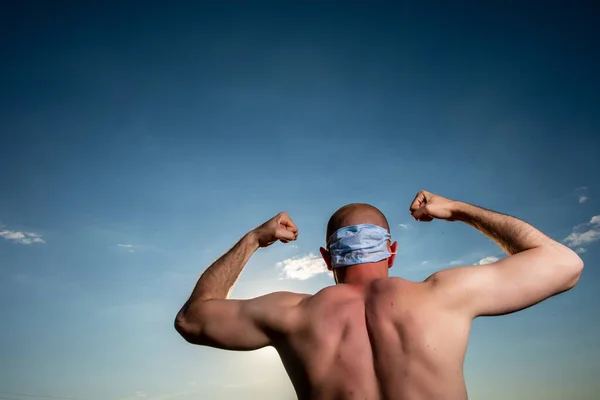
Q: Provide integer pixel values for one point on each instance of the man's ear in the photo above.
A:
(326, 256)
(393, 249)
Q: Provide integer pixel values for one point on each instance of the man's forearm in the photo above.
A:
(218, 279)
(510, 233)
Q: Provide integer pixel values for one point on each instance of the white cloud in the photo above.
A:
(455, 262)
(582, 238)
(405, 226)
(22, 237)
(580, 250)
(128, 247)
(582, 194)
(424, 262)
(488, 260)
(584, 234)
(303, 267)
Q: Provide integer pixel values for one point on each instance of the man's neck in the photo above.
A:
(361, 275)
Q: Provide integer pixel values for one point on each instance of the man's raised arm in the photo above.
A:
(209, 319)
(537, 267)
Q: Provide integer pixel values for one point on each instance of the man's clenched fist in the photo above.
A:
(280, 227)
(427, 206)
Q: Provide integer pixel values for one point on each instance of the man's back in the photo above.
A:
(372, 337)
(387, 341)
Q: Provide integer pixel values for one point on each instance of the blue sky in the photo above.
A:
(138, 143)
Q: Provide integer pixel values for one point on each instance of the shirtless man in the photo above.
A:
(371, 336)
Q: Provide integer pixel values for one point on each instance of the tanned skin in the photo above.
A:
(371, 336)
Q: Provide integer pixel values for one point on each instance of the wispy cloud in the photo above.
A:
(580, 250)
(302, 267)
(455, 262)
(129, 247)
(584, 234)
(488, 260)
(405, 226)
(21, 237)
(424, 262)
(582, 238)
(582, 194)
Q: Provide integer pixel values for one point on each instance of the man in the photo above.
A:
(371, 336)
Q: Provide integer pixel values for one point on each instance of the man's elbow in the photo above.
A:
(188, 329)
(574, 266)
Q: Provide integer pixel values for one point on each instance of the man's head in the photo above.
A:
(355, 214)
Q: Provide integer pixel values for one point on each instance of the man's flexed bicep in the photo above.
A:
(508, 285)
(536, 269)
(239, 324)
(209, 318)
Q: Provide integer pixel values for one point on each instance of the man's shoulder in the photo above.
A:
(377, 286)
(330, 296)
(288, 298)
(325, 293)
(280, 302)
(393, 283)
(305, 301)
(387, 289)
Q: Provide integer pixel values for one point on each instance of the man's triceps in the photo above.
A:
(244, 324)
(506, 286)
(224, 324)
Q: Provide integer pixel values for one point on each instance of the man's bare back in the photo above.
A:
(371, 336)
(389, 341)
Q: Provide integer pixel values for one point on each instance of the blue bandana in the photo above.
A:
(358, 244)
